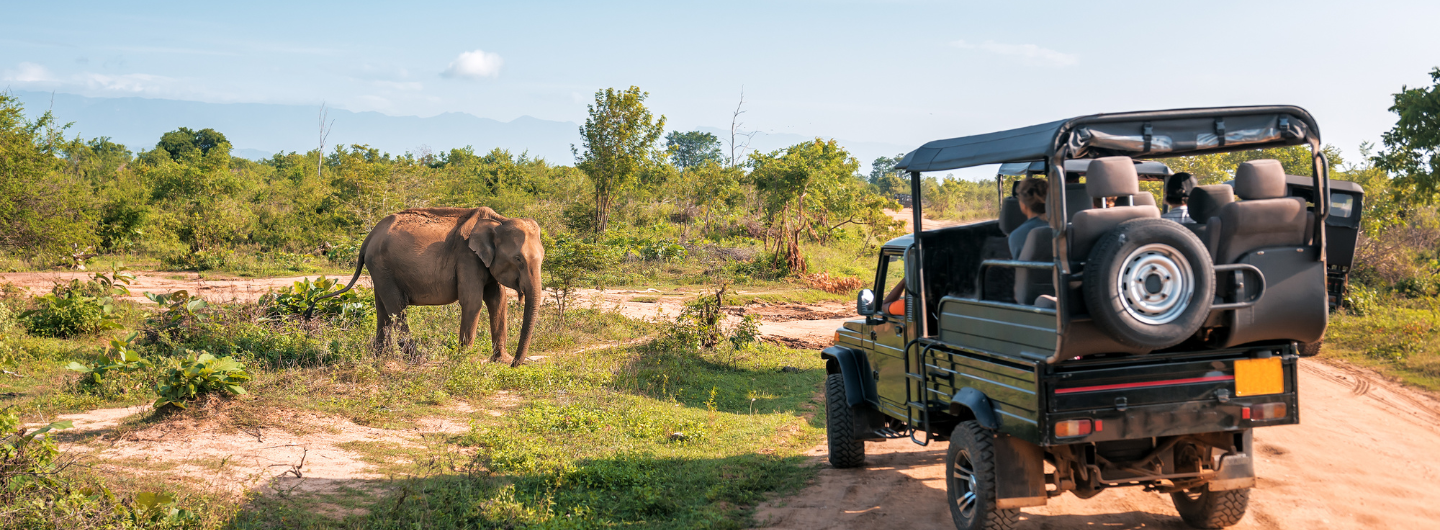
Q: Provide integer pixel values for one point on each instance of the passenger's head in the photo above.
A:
(1177, 188)
(1031, 193)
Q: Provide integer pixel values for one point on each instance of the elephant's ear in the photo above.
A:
(481, 237)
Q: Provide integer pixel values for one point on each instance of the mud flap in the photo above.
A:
(1237, 471)
(1019, 473)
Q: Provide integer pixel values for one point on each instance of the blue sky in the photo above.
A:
(881, 71)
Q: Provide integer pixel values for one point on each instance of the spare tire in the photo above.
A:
(1149, 283)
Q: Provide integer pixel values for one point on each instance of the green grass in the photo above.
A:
(591, 443)
(1398, 336)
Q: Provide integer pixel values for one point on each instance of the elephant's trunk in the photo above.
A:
(532, 304)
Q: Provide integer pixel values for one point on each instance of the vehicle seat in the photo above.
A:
(1143, 198)
(1076, 199)
(1031, 284)
(1010, 215)
(1265, 217)
(1112, 176)
(1205, 202)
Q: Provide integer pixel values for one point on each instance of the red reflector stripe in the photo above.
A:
(1147, 384)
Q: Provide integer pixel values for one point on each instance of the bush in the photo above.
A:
(178, 310)
(199, 260)
(77, 307)
(198, 375)
(303, 298)
(114, 378)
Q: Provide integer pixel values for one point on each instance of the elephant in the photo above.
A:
(437, 256)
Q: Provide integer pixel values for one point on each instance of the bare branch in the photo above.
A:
(735, 133)
(324, 134)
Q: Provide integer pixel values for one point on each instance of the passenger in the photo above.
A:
(1177, 191)
(894, 303)
(1031, 194)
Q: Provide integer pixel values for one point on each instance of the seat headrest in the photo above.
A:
(1144, 198)
(1205, 201)
(1260, 179)
(1010, 215)
(1115, 176)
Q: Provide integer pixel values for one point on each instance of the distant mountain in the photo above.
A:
(259, 130)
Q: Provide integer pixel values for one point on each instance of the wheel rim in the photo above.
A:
(1156, 283)
(963, 482)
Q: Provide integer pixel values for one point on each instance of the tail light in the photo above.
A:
(1072, 428)
(1265, 411)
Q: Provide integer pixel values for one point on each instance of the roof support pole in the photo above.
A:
(916, 285)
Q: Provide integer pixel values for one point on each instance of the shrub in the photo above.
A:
(198, 260)
(199, 374)
(114, 377)
(832, 284)
(177, 310)
(300, 298)
(77, 307)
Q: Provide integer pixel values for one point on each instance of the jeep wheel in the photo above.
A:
(1149, 283)
(1310, 349)
(970, 480)
(845, 450)
(1211, 509)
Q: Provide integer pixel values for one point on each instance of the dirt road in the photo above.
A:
(1359, 459)
(224, 289)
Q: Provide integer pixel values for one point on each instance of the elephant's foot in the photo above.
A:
(517, 362)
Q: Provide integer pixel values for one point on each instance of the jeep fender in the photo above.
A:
(970, 403)
(854, 366)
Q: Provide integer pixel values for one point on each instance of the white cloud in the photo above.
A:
(138, 83)
(29, 73)
(1029, 52)
(474, 65)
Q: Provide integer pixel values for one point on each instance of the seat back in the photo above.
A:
(1030, 284)
(1265, 217)
(1205, 202)
(1010, 215)
(1143, 198)
(1076, 199)
(1112, 176)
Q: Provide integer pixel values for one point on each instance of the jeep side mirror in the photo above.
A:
(865, 303)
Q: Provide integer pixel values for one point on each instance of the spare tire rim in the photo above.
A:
(1156, 283)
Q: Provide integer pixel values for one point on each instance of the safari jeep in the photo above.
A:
(1119, 348)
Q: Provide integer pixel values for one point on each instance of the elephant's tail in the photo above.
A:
(359, 266)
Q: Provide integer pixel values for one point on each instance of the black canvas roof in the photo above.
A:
(1148, 134)
(1143, 167)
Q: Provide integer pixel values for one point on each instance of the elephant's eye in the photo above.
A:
(517, 258)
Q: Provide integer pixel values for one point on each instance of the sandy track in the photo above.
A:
(1360, 458)
(211, 289)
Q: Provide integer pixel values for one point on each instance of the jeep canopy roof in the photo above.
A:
(1144, 168)
(1148, 134)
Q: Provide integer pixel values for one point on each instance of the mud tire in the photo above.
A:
(1211, 509)
(971, 490)
(1121, 256)
(845, 450)
(1310, 349)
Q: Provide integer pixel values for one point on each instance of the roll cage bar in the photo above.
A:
(1149, 134)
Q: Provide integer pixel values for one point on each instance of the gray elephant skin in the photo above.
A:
(438, 256)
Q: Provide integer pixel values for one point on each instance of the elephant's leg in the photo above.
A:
(495, 303)
(470, 303)
(389, 298)
(382, 325)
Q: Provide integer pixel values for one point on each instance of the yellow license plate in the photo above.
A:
(1257, 377)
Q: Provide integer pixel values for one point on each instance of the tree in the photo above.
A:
(785, 179)
(183, 140)
(1412, 148)
(884, 166)
(42, 210)
(691, 149)
(619, 139)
